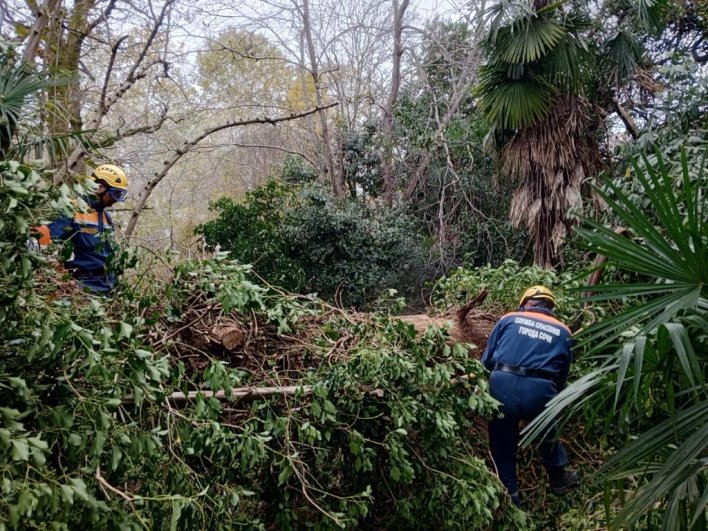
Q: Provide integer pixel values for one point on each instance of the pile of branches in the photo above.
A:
(198, 330)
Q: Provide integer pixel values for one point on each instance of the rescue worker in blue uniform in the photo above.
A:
(91, 232)
(528, 354)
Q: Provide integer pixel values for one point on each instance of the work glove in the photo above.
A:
(32, 245)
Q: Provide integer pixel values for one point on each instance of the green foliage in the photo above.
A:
(385, 452)
(296, 171)
(653, 355)
(19, 194)
(304, 239)
(89, 438)
(352, 252)
(505, 285)
(362, 164)
(251, 232)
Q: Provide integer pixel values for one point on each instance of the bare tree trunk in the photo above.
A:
(398, 13)
(334, 173)
(37, 32)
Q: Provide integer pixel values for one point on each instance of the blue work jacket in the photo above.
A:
(531, 338)
(91, 234)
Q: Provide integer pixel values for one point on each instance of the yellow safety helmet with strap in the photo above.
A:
(115, 179)
(538, 292)
(112, 174)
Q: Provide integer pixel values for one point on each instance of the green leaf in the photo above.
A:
(79, 488)
(20, 450)
(285, 474)
(176, 514)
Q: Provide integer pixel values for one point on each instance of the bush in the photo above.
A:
(252, 232)
(303, 239)
(505, 284)
(352, 252)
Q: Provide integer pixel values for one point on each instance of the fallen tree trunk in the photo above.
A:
(467, 325)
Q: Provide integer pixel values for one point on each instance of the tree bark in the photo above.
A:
(627, 120)
(334, 172)
(398, 13)
(466, 325)
(44, 14)
(64, 40)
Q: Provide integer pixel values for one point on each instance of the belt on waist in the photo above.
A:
(85, 273)
(523, 371)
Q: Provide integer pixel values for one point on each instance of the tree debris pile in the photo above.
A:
(282, 345)
(361, 424)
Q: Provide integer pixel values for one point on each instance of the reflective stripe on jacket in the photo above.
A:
(91, 234)
(533, 339)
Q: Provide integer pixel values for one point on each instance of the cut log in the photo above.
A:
(229, 334)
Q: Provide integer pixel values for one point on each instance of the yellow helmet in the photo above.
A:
(538, 292)
(113, 175)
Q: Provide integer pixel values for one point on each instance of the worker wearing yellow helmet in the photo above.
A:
(528, 354)
(90, 234)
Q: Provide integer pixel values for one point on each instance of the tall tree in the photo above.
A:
(531, 90)
(399, 11)
(554, 72)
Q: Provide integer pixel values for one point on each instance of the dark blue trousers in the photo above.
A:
(522, 398)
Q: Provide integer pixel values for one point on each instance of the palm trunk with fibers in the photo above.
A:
(553, 161)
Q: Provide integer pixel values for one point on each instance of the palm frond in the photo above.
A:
(528, 39)
(682, 439)
(569, 401)
(564, 65)
(502, 13)
(19, 86)
(622, 52)
(512, 103)
(652, 14)
(52, 148)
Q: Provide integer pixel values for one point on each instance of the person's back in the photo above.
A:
(528, 354)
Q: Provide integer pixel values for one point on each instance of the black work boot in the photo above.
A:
(563, 480)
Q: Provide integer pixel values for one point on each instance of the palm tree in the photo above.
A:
(545, 90)
(655, 353)
(544, 128)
